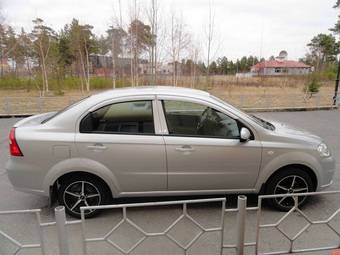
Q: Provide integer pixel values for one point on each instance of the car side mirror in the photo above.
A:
(245, 134)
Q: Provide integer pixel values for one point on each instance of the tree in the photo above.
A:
(8, 46)
(323, 48)
(115, 36)
(223, 65)
(336, 28)
(243, 64)
(65, 56)
(140, 39)
(82, 44)
(192, 63)
(20, 48)
(271, 58)
(210, 37)
(42, 36)
(213, 68)
(25, 50)
(179, 40)
(153, 16)
(3, 48)
(103, 45)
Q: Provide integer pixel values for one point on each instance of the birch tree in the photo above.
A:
(41, 37)
(82, 44)
(153, 17)
(179, 40)
(210, 38)
(116, 35)
(115, 39)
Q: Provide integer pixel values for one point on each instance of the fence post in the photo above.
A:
(61, 230)
(318, 100)
(7, 105)
(241, 223)
(40, 104)
(241, 100)
(222, 226)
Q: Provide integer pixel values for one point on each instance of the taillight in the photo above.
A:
(13, 145)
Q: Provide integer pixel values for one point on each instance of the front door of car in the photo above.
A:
(204, 151)
(121, 136)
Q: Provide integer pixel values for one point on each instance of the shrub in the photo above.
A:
(313, 86)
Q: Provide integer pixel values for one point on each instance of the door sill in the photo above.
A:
(186, 192)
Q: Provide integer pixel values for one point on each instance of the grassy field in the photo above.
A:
(242, 92)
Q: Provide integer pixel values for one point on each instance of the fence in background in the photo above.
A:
(241, 213)
(33, 105)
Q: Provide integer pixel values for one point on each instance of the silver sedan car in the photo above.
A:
(161, 141)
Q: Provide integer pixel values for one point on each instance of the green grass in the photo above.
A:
(69, 83)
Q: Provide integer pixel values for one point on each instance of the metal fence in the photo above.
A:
(239, 246)
(32, 105)
(166, 233)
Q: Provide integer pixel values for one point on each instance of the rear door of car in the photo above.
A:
(122, 136)
(213, 158)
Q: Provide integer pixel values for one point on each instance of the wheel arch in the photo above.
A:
(302, 167)
(80, 166)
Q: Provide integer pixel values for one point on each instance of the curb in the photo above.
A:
(272, 109)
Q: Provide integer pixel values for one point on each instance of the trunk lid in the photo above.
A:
(34, 120)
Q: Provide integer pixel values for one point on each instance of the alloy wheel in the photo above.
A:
(289, 185)
(81, 193)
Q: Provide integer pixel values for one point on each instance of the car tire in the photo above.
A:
(289, 180)
(82, 190)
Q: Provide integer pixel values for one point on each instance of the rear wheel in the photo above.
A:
(82, 190)
(289, 181)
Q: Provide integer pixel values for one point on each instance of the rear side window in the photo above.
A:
(124, 118)
(191, 119)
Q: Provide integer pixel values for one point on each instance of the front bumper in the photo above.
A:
(328, 169)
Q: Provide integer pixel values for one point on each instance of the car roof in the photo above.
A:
(147, 90)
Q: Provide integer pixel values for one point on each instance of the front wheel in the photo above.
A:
(289, 181)
(82, 190)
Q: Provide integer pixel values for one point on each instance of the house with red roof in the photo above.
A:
(281, 66)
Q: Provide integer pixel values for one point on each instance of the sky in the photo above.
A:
(260, 28)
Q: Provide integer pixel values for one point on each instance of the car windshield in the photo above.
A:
(64, 109)
(263, 123)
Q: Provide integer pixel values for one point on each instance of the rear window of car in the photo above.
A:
(133, 117)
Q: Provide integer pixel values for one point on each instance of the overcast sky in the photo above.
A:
(243, 27)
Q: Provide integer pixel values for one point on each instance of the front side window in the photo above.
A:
(128, 118)
(191, 119)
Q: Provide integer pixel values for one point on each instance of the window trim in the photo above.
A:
(102, 105)
(239, 124)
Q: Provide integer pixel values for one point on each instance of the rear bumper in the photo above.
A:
(24, 177)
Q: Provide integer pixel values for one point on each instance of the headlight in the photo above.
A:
(323, 150)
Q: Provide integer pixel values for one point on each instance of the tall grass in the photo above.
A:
(100, 83)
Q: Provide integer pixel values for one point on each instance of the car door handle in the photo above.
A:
(185, 148)
(97, 147)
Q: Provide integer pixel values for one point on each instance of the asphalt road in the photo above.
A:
(22, 227)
